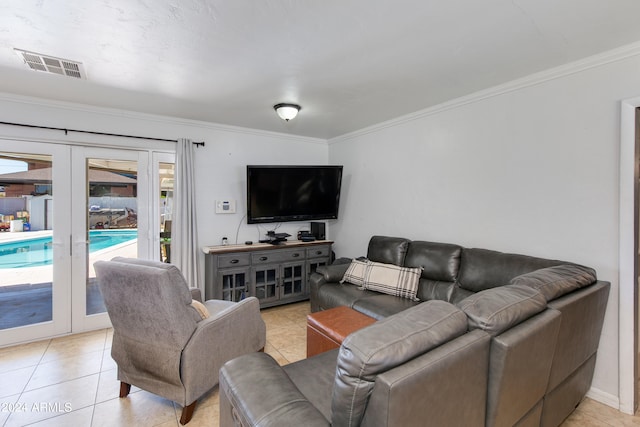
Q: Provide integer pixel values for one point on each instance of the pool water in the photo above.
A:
(38, 252)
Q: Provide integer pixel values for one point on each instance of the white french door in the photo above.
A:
(110, 210)
(35, 266)
(81, 204)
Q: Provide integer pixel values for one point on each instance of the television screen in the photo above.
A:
(292, 193)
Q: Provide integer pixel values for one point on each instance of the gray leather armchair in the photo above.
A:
(161, 342)
(419, 367)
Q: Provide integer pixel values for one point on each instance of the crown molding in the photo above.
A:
(575, 67)
(155, 118)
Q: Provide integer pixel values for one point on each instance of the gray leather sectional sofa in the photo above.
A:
(494, 339)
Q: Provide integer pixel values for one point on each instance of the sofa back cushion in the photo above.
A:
(498, 309)
(439, 261)
(553, 282)
(482, 269)
(387, 250)
(385, 345)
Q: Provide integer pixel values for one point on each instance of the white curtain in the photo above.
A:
(184, 236)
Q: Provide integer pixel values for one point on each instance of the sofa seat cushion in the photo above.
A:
(498, 309)
(385, 345)
(314, 378)
(553, 282)
(435, 289)
(332, 295)
(243, 382)
(381, 306)
(216, 306)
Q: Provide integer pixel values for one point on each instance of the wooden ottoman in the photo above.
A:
(327, 329)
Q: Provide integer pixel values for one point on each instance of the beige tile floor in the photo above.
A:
(71, 381)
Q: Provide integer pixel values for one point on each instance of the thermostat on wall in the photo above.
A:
(225, 206)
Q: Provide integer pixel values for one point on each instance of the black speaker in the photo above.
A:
(318, 230)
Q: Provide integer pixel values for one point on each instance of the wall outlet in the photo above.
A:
(225, 206)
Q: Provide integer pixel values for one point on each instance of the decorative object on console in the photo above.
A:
(306, 236)
(318, 229)
(287, 111)
(275, 238)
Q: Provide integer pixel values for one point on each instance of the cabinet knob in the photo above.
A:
(318, 252)
(234, 261)
(263, 258)
(295, 255)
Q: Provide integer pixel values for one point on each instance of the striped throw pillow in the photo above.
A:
(355, 272)
(392, 279)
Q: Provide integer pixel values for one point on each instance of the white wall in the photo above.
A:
(221, 175)
(531, 167)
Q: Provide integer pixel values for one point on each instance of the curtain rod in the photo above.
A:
(66, 131)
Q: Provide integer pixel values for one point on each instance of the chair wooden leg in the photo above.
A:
(124, 389)
(187, 413)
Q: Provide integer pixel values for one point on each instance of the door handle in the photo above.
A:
(77, 244)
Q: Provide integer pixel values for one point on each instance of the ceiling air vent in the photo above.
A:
(51, 64)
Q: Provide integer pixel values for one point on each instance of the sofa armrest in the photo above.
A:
(325, 274)
(236, 330)
(255, 390)
(333, 272)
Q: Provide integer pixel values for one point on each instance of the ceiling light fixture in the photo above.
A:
(287, 111)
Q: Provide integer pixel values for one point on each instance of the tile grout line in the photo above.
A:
(40, 362)
(35, 367)
(95, 398)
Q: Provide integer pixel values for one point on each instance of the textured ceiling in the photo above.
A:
(349, 63)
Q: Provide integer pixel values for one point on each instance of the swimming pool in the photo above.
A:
(38, 252)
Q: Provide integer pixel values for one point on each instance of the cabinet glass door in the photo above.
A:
(312, 266)
(265, 282)
(293, 280)
(234, 285)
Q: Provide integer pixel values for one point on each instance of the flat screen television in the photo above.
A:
(292, 193)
